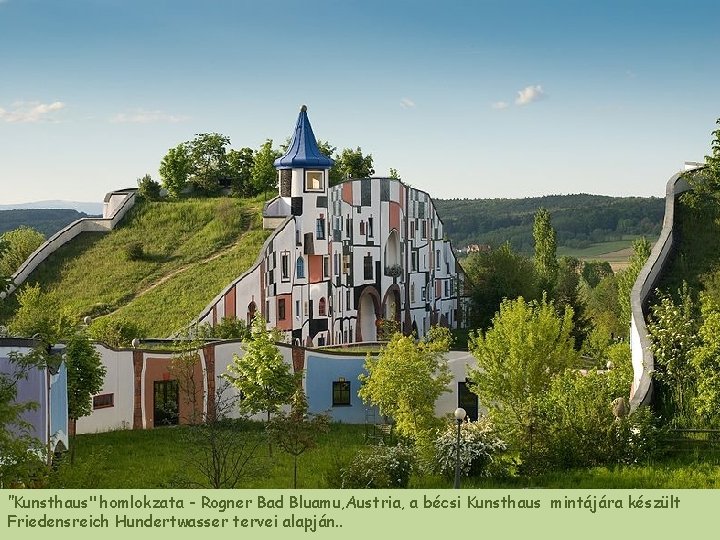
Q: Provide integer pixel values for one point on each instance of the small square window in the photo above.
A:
(314, 181)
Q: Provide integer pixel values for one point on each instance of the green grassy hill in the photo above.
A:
(189, 251)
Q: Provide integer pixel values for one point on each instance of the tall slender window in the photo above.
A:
(300, 268)
(320, 228)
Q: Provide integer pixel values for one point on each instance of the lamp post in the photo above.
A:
(459, 416)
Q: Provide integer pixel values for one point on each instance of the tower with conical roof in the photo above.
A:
(303, 174)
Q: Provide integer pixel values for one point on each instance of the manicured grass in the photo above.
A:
(159, 459)
(191, 249)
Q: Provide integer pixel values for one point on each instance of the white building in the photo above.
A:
(345, 260)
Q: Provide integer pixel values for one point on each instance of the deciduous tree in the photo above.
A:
(264, 175)
(517, 358)
(175, 169)
(261, 375)
(85, 377)
(627, 277)
(544, 237)
(239, 170)
(297, 431)
(208, 159)
(353, 164)
(19, 245)
(405, 379)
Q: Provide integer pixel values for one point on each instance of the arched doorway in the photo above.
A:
(391, 304)
(368, 308)
(251, 309)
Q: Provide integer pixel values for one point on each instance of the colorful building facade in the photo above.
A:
(347, 261)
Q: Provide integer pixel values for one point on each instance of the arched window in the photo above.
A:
(321, 307)
(300, 268)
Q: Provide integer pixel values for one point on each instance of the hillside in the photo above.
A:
(189, 251)
(48, 220)
(581, 221)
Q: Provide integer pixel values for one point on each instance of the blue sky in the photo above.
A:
(482, 98)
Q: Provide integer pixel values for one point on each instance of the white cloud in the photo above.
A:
(529, 94)
(407, 103)
(500, 105)
(23, 112)
(141, 116)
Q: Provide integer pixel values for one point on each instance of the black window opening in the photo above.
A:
(285, 266)
(341, 393)
(166, 403)
(281, 309)
(468, 400)
(368, 267)
(103, 401)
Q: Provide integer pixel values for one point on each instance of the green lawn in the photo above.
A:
(159, 459)
(191, 249)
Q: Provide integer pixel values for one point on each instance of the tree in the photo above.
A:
(148, 188)
(264, 176)
(394, 174)
(713, 160)
(494, 275)
(567, 293)
(405, 379)
(627, 277)
(260, 375)
(528, 344)
(175, 169)
(545, 240)
(219, 451)
(297, 432)
(5, 280)
(239, 171)
(208, 161)
(85, 377)
(674, 336)
(40, 316)
(594, 271)
(19, 245)
(353, 164)
(705, 361)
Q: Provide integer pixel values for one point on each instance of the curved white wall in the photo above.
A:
(642, 357)
(117, 204)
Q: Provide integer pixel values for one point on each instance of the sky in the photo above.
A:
(475, 99)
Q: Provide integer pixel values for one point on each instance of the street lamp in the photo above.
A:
(459, 416)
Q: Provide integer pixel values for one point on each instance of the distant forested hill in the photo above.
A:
(47, 221)
(580, 220)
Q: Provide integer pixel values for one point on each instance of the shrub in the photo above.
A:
(479, 444)
(148, 188)
(377, 467)
(227, 328)
(639, 435)
(115, 331)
